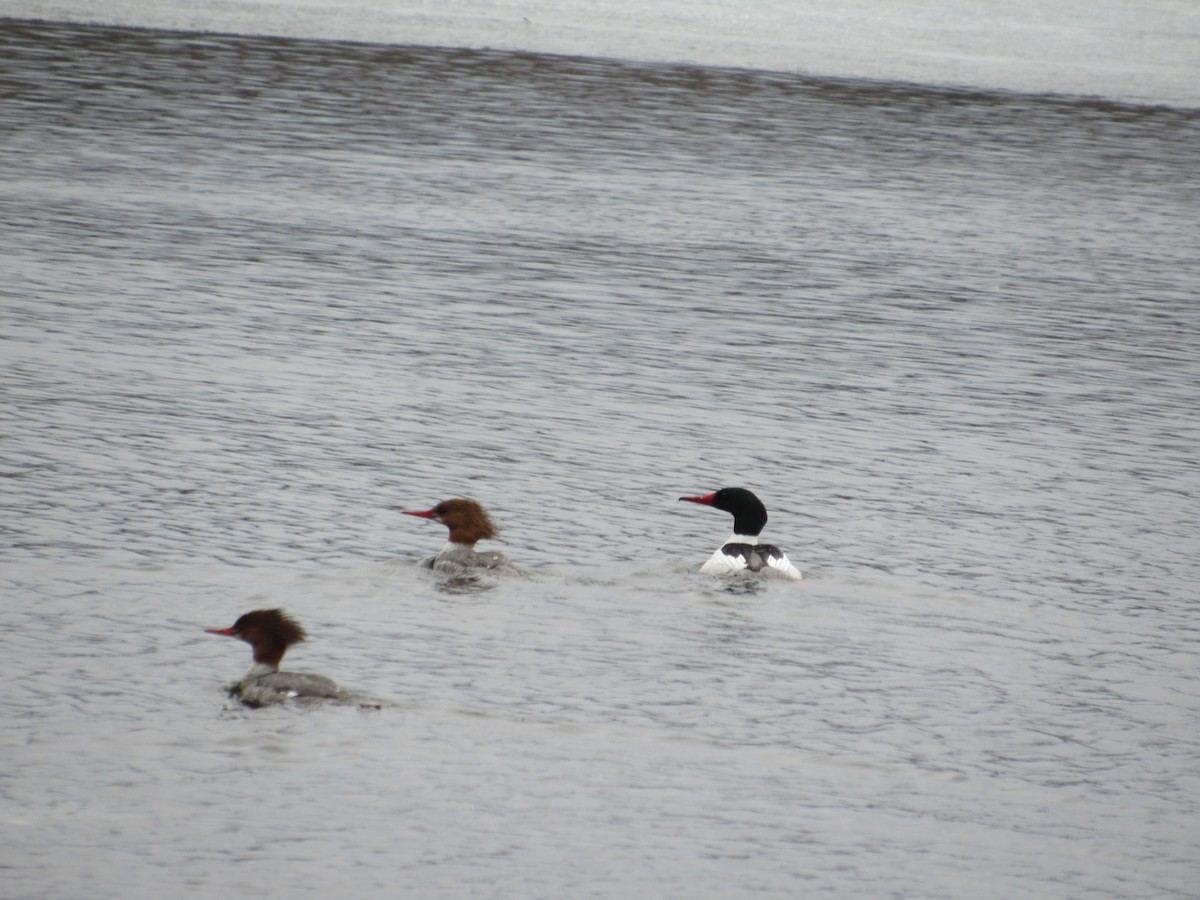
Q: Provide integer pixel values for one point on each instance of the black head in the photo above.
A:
(749, 514)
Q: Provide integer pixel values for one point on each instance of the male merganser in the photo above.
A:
(742, 550)
(270, 632)
(468, 522)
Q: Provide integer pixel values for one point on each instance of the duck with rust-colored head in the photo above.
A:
(469, 523)
(270, 632)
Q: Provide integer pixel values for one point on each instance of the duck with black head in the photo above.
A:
(742, 551)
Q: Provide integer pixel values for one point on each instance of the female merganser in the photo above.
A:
(468, 522)
(270, 632)
(742, 550)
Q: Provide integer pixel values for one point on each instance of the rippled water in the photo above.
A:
(259, 292)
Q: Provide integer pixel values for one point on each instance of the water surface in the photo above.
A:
(259, 292)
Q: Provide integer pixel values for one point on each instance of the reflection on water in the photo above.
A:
(259, 291)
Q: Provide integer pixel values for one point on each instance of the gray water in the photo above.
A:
(260, 293)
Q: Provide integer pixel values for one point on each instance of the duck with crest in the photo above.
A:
(469, 523)
(270, 632)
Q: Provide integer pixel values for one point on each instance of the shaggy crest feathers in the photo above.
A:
(269, 631)
(276, 621)
(467, 520)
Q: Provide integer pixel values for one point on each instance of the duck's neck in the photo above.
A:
(736, 538)
(258, 670)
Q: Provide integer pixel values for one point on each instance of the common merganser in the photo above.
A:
(270, 632)
(743, 551)
(468, 523)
